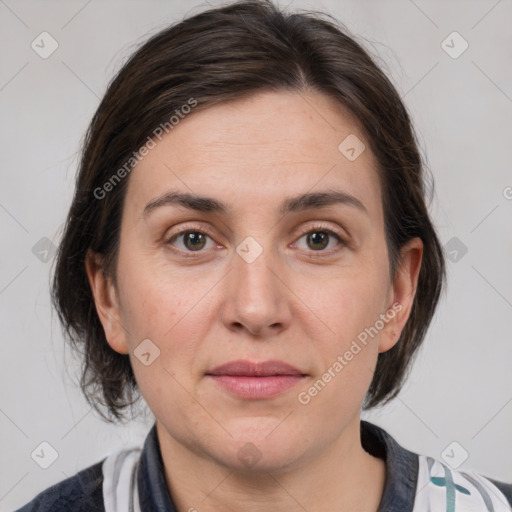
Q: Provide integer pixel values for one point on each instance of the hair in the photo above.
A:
(227, 53)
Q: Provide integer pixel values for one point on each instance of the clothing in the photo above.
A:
(134, 480)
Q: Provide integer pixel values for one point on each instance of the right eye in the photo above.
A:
(191, 241)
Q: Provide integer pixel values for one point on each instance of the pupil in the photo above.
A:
(194, 240)
(318, 238)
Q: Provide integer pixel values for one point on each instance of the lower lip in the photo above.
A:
(256, 387)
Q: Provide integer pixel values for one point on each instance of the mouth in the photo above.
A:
(249, 380)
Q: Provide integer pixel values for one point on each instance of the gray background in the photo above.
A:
(461, 385)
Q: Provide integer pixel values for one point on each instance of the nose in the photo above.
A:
(257, 300)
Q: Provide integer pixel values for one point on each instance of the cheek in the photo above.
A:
(153, 299)
(351, 302)
(169, 308)
(149, 308)
(348, 357)
(156, 309)
(350, 307)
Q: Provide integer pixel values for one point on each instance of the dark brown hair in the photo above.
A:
(218, 55)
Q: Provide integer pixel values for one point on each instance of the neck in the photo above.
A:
(339, 475)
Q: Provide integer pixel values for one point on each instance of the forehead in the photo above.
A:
(254, 151)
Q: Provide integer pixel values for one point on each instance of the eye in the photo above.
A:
(192, 241)
(320, 238)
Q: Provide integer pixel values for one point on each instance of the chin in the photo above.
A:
(264, 444)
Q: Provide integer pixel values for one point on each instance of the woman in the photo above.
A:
(249, 247)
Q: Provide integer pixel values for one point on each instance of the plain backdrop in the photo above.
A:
(461, 386)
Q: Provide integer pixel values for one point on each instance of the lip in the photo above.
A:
(253, 369)
(251, 380)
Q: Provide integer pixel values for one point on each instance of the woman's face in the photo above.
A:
(285, 261)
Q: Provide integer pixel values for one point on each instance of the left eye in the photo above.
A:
(319, 239)
(192, 240)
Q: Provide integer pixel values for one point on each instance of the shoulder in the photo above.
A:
(418, 483)
(79, 493)
(505, 488)
(441, 485)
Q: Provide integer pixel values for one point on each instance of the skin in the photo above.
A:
(295, 303)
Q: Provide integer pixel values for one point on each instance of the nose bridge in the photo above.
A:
(252, 269)
(256, 297)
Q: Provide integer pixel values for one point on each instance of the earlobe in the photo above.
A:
(402, 293)
(106, 302)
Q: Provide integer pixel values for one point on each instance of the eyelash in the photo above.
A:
(315, 228)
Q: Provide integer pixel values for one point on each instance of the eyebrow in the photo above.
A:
(302, 202)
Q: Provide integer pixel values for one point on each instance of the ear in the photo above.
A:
(107, 303)
(402, 293)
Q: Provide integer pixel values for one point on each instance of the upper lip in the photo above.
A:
(254, 369)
